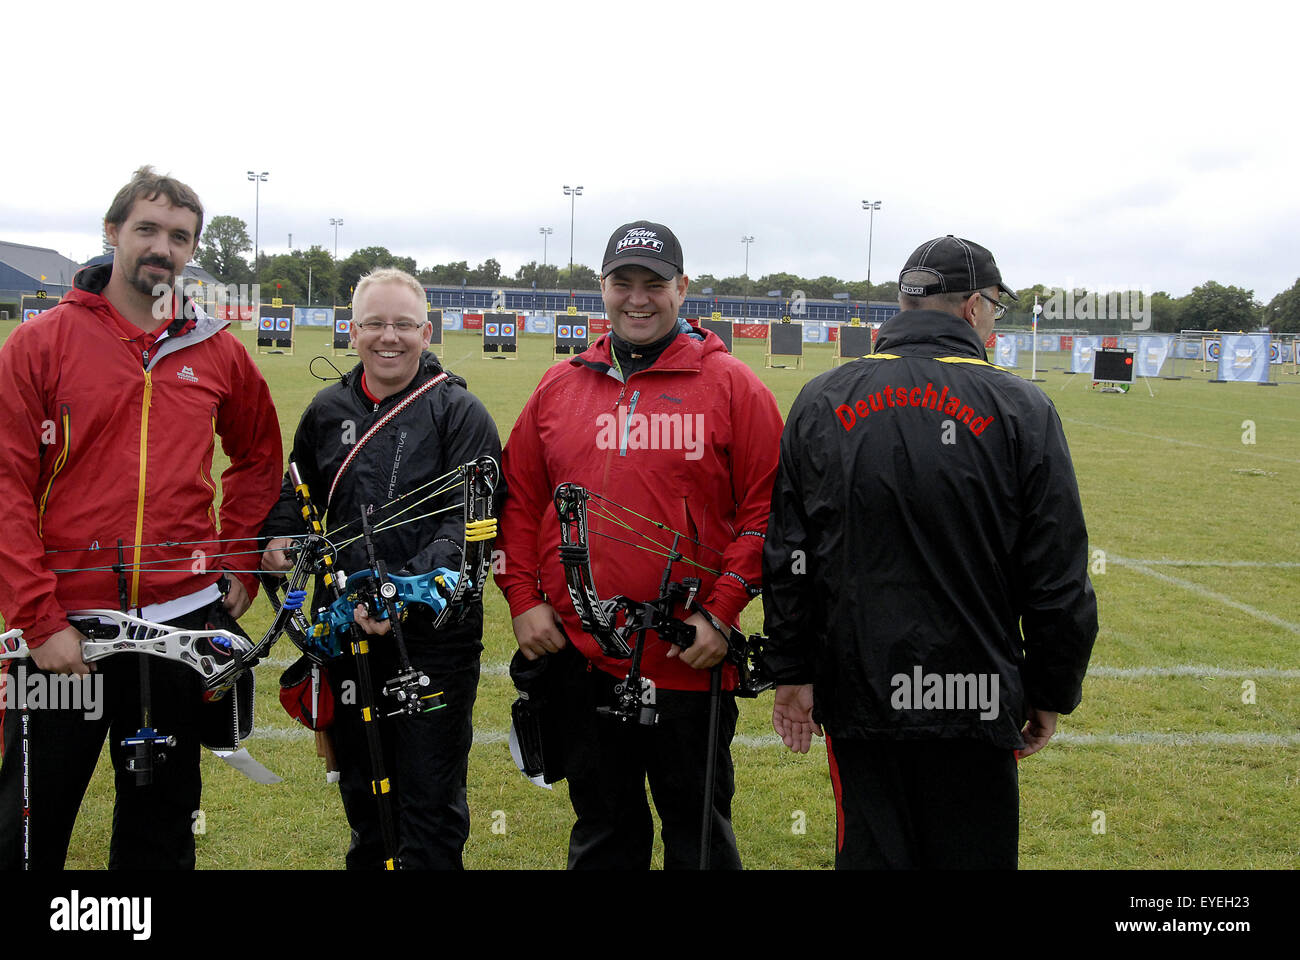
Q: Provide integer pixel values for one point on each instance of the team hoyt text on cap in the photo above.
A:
(955, 266)
(643, 244)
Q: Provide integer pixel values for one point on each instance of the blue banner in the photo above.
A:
(539, 324)
(1244, 357)
(452, 321)
(1083, 355)
(1151, 353)
(1007, 350)
(313, 316)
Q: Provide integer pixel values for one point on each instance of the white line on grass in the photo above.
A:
(1194, 670)
(1274, 564)
(1246, 739)
(1185, 443)
(1219, 410)
(1095, 670)
(1179, 739)
(1208, 594)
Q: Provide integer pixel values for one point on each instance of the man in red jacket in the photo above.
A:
(677, 442)
(112, 404)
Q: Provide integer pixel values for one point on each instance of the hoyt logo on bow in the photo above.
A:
(613, 623)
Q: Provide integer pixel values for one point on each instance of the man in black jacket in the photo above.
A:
(431, 425)
(925, 577)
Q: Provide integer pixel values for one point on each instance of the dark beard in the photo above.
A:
(142, 283)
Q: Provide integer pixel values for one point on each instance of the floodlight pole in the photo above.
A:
(746, 240)
(335, 222)
(258, 179)
(572, 193)
(872, 206)
(546, 235)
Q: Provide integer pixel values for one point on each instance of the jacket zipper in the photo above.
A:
(65, 414)
(631, 409)
(139, 501)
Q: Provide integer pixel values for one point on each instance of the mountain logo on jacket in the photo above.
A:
(187, 373)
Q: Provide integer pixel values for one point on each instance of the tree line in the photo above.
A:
(314, 276)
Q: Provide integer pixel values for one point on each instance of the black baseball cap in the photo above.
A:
(643, 244)
(955, 265)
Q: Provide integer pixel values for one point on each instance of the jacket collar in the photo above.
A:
(429, 367)
(684, 353)
(932, 332)
(88, 291)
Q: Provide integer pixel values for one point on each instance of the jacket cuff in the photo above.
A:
(248, 580)
(522, 597)
(42, 630)
(728, 599)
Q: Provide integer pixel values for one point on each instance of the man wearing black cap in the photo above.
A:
(676, 442)
(925, 577)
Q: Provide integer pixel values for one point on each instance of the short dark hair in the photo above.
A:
(150, 185)
(951, 302)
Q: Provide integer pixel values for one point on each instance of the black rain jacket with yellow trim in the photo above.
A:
(926, 557)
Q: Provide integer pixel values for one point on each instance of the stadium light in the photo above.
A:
(258, 179)
(546, 235)
(572, 193)
(873, 206)
(746, 241)
(335, 222)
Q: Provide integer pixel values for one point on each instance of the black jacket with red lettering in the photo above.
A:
(927, 538)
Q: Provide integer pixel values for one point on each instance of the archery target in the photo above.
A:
(581, 332)
(493, 330)
(342, 326)
(267, 323)
(1213, 350)
(282, 323)
(507, 329)
(564, 331)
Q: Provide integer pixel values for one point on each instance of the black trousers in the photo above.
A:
(608, 761)
(153, 824)
(924, 804)
(426, 756)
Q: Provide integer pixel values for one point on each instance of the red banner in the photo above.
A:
(1067, 344)
(754, 331)
(472, 321)
(1105, 342)
(599, 327)
(233, 312)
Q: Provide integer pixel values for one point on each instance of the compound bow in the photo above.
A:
(613, 622)
(450, 594)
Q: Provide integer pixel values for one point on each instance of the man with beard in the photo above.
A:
(112, 404)
(660, 417)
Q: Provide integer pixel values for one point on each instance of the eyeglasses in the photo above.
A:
(377, 326)
(999, 309)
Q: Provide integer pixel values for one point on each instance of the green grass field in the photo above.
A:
(1185, 752)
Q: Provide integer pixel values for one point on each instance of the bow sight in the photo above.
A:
(410, 687)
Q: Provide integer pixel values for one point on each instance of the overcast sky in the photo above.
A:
(1117, 145)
